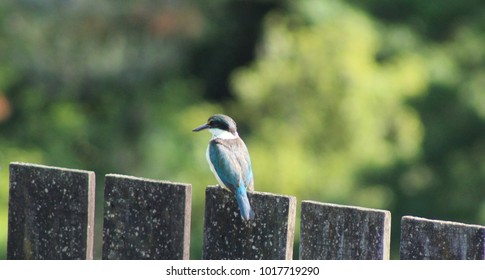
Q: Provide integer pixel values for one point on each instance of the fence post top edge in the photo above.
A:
(142, 179)
(450, 223)
(341, 206)
(26, 164)
(290, 197)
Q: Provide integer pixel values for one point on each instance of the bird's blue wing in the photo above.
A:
(230, 159)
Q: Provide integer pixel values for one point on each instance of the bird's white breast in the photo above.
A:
(222, 134)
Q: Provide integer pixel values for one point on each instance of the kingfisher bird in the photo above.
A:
(229, 160)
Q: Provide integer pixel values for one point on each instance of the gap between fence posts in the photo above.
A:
(424, 239)
(146, 219)
(269, 236)
(50, 213)
(337, 232)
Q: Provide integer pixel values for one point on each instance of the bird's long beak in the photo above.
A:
(202, 127)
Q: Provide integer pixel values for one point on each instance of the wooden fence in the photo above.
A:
(51, 216)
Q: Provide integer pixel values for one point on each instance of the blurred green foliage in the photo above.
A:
(338, 101)
(318, 91)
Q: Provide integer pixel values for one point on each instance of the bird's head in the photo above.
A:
(221, 126)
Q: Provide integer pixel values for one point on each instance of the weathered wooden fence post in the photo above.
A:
(269, 236)
(423, 239)
(336, 232)
(50, 213)
(146, 219)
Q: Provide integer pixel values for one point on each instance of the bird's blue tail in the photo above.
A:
(243, 202)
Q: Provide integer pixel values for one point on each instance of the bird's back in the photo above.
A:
(230, 160)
